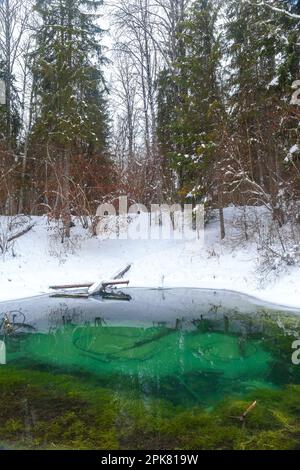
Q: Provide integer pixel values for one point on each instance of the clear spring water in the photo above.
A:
(186, 348)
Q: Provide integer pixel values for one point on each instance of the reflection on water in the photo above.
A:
(186, 347)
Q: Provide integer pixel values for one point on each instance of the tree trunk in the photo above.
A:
(66, 212)
(8, 74)
(221, 213)
(25, 156)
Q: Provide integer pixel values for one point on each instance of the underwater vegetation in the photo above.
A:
(44, 411)
(185, 388)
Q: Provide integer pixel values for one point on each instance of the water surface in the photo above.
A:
(155, 358)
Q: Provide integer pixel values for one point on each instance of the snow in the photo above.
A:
(95, 287)
(294, 149)
(274, 82)
(280, 10)
(41, 260)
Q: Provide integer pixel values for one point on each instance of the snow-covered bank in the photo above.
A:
(40, 260)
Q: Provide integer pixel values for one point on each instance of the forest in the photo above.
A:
(165, 101)
(141, 328)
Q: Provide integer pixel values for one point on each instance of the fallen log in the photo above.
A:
(242, 418)
(72, 286)
(66, 295)
(114, 283)
(122, 273)
(99, 286)
(87, 285)
(116, 296)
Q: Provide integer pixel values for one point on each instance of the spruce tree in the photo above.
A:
(252, 48)
(261, 47)
(190, 101)
(70, 87)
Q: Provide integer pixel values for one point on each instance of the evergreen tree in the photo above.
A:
(190, 101)
(290, 63)
(261, 47)
(71, 112)
(252, 48)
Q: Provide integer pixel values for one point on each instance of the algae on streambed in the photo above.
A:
(44, 411)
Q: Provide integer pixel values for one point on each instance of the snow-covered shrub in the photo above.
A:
(278, 248)
(59, 245)
(272, 263)
(245, 225)
(12, 228)
(111, 227)
(292, 256)
(276, 235)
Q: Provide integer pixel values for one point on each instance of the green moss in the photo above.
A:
(12, 427)
(270, 440)
(40, 410)
(44, 411)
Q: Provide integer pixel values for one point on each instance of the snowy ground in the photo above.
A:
(40, 260)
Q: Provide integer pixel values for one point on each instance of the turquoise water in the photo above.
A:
(184, 348)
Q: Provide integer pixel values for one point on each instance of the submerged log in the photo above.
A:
(116, 296)
(251, 407)
(242, 418)
(66, 295)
